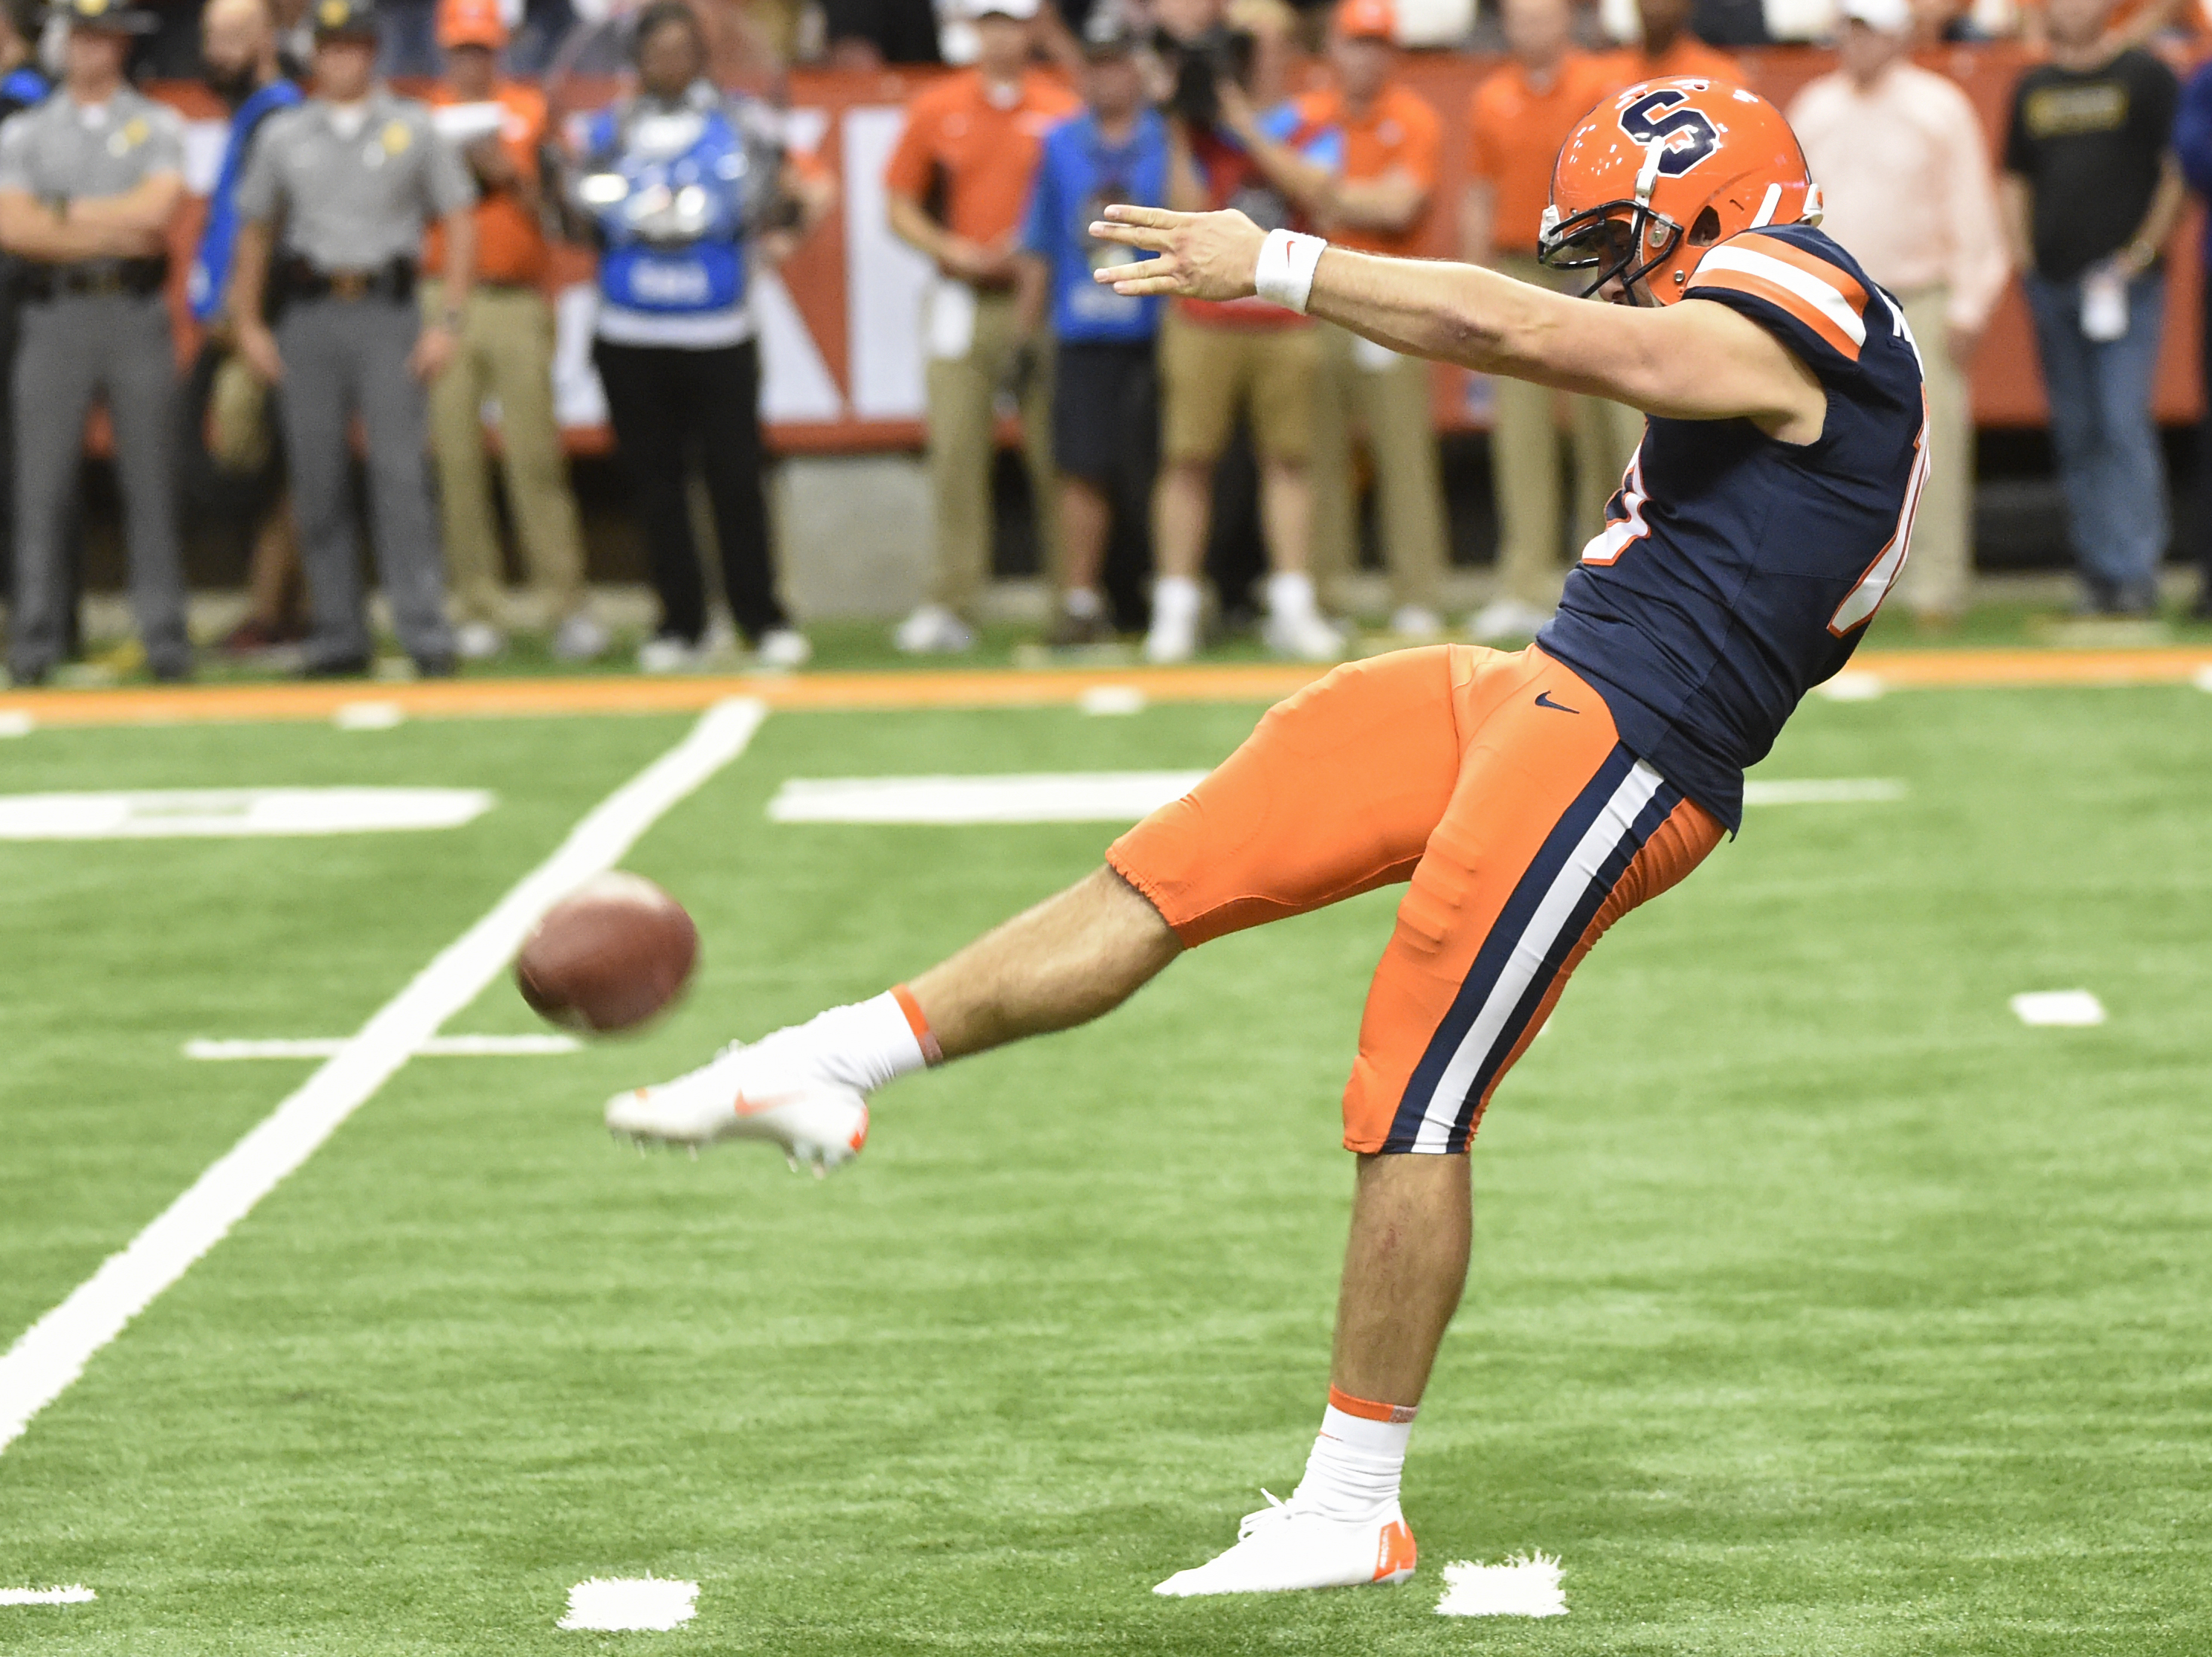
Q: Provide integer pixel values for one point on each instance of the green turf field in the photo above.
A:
(1818, 1307)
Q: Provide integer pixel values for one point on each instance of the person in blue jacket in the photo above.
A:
(2192, 143)
(1105, 394)
(238, 44)
(686, 188)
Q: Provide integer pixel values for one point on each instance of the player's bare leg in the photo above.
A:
(1412, 1224)
(1404, 1267)
(1080, 954)
(1075, 955)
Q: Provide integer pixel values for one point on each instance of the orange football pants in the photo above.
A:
(1497, 786)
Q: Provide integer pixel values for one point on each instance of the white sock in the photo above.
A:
(1290, 594)
(1352, 1474)
(1083, 604)
(1175, 602)
(870, 1042)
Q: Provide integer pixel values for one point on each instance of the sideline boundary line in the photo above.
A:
(1897, 670)
(53, 1351)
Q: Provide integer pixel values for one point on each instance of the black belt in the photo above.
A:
(297, 279)
(136, 277)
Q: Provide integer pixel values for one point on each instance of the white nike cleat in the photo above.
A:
(1285, 1546)
(765, 1091)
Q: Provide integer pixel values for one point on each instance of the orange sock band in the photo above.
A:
(919, 1024)
(1368, 1409)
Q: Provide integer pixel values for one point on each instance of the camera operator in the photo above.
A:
(688, 189)
(1244, 356)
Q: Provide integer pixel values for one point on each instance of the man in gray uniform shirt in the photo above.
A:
(89, 181)
(345, 184)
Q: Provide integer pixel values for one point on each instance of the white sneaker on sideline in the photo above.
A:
(1309, 637)
(477, 641)
(1417, 622)
(933, 630)
(581, 638)
(764, 1091)
(1507, 618)
(784, 648)
(1172, 639)
(1285, 1546)
(666, 654)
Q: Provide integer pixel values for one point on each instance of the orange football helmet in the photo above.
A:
(1653, 176)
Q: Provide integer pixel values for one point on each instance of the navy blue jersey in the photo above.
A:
(1735, 572)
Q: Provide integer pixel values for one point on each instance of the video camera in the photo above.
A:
(1199, 66)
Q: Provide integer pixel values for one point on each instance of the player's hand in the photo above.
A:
(257, 348)
(433, 349)
(1962, 343)
(1201, 255)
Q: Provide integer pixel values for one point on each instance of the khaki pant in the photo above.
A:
(1940, 573)
(1210, 374)
(1524, 464)
(1386, 397)
(962, 446)
(507, 354)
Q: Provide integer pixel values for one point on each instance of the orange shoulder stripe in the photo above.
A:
(1811, 264)
(1775, 294)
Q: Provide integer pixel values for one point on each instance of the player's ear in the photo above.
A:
(1707, 230)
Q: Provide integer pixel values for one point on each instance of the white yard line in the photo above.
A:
(1126, 796)
(53, 1351)
(329, 1047)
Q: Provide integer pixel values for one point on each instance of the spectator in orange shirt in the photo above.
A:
(1669, 49)
(1380, 205)
(506, 353)
(1517, 120)
(957, 184)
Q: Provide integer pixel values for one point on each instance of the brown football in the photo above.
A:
(613, 954)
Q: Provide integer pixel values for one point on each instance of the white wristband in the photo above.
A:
(1284, 273)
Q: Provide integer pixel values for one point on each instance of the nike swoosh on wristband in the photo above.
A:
(1544, 699)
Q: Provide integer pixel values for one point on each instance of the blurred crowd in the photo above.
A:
(1132, 403)
(373, 270)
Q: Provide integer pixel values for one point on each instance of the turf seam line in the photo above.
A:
(52, 1352)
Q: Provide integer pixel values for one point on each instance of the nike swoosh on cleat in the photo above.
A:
(745, 1106)
(1544, 699)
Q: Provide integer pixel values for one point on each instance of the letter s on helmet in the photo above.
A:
(1652, 178)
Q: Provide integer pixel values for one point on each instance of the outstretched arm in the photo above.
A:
(1685, 361)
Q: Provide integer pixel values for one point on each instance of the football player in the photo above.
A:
(1530, 799)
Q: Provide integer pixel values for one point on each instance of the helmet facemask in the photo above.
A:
(1618, 240)
(1627, 240)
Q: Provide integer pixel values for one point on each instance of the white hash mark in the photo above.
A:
(1524, 1585)
(2065, 1009)
(630, 1604)
(75, 1594)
